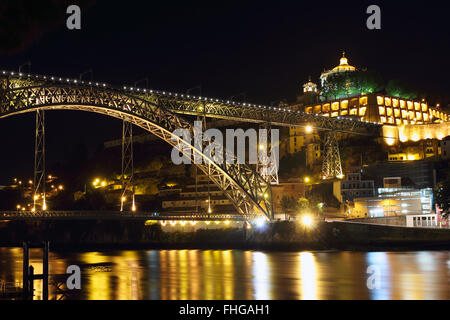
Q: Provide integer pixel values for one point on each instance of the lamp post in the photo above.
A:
(140, 81)
(87, 72)
(28, 63)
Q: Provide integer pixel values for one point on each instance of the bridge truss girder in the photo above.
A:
(331, 166)
(276, 116)
(127, 177)
(246, 189)
(265, 166)
(39, 196)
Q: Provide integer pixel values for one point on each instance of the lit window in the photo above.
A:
(381, 111)
(380, 100)
(398, 121)
(395, 103)
(363, 101)
(335, 114)
(425, 116)
(362, 111)
(404, 114)
(418, 116)
(308, 110)
(344, 112)
(410, 105)
(354, 112)
(391, 120)
(424, 107)
(335, 106)
(397, 113)
(344, 104)
(417, 106)
(402, 104)
(383, 119)
(387, 101)
(326, 107)
(389, 112)
(318, 109)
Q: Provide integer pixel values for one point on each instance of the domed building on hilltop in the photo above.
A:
(342, 67)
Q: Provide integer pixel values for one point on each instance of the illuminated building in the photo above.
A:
(417, 174)
(372, 107)
(195, 198)
(314, 153)
(445, 148)
(299, 138)
(390, 204)
(394, 199)
(380, 109)
(353, 187)
(291, 188)
(442, 222)
(309, 87)
(412, 151)
(296, 140)
(403, 120)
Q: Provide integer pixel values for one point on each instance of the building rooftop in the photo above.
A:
(342, 67)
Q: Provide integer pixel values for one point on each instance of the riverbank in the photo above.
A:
(278, 236)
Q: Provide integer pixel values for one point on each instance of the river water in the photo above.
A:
(237, 274)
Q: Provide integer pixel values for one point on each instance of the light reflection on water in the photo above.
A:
(236, 274)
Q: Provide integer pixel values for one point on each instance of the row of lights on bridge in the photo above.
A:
(173, 223)
(306, 220)
(75, 81)
(41, 77)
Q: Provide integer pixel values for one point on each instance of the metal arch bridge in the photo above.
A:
(157, 112)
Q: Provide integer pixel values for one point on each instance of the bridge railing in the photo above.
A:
(190, 104)
(42, 215)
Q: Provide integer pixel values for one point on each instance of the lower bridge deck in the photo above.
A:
(117, 215)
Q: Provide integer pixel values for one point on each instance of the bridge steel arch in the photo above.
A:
(246, 189)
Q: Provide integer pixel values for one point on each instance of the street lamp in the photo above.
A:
(28, 63)
(87, 72)
(308, 129)
(133, 206)
(307, 220)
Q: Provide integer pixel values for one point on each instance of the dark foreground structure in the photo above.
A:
(275, 236)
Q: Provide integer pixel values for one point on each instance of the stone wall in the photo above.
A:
(390, 221)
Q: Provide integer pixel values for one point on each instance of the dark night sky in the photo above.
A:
(265, 49)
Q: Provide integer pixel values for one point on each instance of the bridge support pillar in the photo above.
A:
(39, 163)
(331, 166)
(267, 165)
(127, 166)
